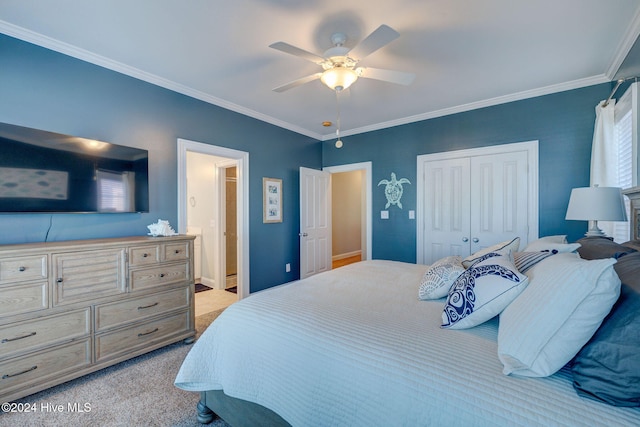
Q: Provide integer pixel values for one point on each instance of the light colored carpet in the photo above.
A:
(137, 392)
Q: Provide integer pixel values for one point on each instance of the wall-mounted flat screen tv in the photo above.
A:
(46, 172)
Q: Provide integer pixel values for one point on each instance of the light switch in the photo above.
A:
(412, 214)
(384, 214)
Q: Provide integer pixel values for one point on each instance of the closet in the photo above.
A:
(471, 199)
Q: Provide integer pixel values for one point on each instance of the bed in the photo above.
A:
(355, 346)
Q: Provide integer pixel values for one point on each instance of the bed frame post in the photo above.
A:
(205, 415)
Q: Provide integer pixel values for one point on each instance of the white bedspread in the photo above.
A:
(355, 347)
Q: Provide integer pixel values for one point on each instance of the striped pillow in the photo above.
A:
(525, 260)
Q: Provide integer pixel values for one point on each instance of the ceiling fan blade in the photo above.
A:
(397, 77)
(374, 41)
(297, 82)
(292, 50)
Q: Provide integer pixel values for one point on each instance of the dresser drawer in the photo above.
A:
(44, 331)
(23, 298)
(176, 251)
(23, 268)
(82, 276)
(40, 367)
(119, 313)
(113, 344)
(144, 255)
(159, 275)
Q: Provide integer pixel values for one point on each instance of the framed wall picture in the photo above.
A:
(272, 200)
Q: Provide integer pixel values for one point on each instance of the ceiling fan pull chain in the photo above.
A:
(338, 141)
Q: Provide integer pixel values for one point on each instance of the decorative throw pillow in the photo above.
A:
(549, 244)
(511, 245)
(608, 367)
(483, 291)
(525, 260)
(439, 277)
(601, 247)
(558, 312)
(558, 238)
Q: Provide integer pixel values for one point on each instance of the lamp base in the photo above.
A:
(595, 231)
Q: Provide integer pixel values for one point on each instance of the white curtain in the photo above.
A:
(604, 156)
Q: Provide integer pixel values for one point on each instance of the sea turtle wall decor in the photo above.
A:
(393, 190)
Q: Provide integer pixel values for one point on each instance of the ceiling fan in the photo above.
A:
(340, 63)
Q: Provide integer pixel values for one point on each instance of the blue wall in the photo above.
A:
(561, 122)
(46, 90)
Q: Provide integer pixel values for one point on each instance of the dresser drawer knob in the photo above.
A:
(147, 306)
(60, 280)
(177, 251)
(33, 368)
(161, 274)
(147, 333)
(22, 268)
(145, 255)
(4, 340)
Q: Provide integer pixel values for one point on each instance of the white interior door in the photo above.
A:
(447, 210)
(315, 222)
(498, 199)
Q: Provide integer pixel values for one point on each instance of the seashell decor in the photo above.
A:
(161, 228)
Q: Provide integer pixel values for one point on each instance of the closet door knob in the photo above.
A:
(465, 239)
(475, 240)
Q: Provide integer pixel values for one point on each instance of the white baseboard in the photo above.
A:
(207, 282)
(345, 255)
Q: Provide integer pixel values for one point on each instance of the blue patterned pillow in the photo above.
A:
(483, 291)
(511, 245)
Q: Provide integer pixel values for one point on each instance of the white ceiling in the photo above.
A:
(465, 54)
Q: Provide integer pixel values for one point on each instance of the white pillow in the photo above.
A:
(552, 244)
(511, 245)
(564, 304)
(483, 291)
(559, 238)
(439, 277)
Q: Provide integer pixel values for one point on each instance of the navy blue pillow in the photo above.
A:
(607, 368)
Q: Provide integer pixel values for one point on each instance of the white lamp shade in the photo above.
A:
(596, 204)
(339, 78)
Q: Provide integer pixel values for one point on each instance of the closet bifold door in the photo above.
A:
(471, 199)
(447, 208)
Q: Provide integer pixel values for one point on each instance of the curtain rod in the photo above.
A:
(618, 83)
(613, 92)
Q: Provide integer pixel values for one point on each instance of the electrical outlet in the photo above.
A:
(287, 268)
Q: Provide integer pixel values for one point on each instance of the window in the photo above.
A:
(115, 191)
(626, 110)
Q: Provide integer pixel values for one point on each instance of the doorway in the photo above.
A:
(231, 225)
(358, 177)
(214, 220)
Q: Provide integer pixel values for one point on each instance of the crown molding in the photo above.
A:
(82, 54)
(85, 55)
(546, 90)
(631, 35)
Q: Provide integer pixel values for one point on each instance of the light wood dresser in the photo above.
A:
(71, 308)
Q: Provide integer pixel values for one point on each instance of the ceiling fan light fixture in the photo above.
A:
(339, 78)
